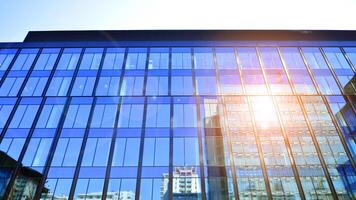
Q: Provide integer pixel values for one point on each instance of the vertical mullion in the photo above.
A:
(114, 135)
(170, 169)
(286, 140)
(200, 142)
(143, 129)
(221, 101)
(98, 74)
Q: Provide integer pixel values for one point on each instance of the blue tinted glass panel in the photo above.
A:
(91, 59)
(114, 58)
(50, 115)
(25, 59)
(108, 86)
(104, 116)
(11, 86)
(225, 58)
(47, 59)
(206, 85)
(83, 86)
(67, 152)
(203, 58)
(157, 85)
(130, 116)
(270, 58)
(181, 58)
(158, 58)
(69, 59)
(77, 116)
(297, 71)
(184, 115)
(320, 70)
(5, 111)
(182, 85)
(342, 69)
(136, 59)
(132, 86)
(158, 115)
(24, 116)
(6, 57)
(34, 86)
(59, 86)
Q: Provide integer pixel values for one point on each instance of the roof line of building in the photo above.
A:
(191, 35)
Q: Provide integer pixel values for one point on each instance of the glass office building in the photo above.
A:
(161, 115)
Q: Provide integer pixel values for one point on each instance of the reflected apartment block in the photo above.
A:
(193, 115)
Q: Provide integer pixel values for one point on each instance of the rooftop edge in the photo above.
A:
(190, 35)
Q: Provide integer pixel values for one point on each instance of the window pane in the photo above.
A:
(158, 58)
(182, 85)
(130, 116)
(25, 59)
(251, 72)
(50, 116)
(6, 56)
(91, 59)
(297, 71)
(321, 72)
(342, 69)
(181, 58)
(132, 86)
(136, 58)
(157, 85)
(35, 86)
(11, 86)
(5, 111)
(47, 59)
(158, 115)
(83, 86)
(24, 116)
(108, 86)
(114, 58)
(77, 116)
(203, 58)
(69, 59)
(225, 58)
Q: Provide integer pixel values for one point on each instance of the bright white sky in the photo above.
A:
(17, 17)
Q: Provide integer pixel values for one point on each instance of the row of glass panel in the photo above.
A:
(50, 80)
(253, 125)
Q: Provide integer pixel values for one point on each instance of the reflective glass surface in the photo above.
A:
(178, 122)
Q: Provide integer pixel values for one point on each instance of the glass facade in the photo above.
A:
(178, 121)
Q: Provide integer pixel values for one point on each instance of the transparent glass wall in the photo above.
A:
(192, 122)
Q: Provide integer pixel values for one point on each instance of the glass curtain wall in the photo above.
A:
(153, 123)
